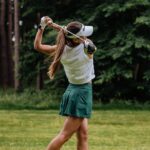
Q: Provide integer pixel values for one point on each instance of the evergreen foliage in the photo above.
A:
(122, 36)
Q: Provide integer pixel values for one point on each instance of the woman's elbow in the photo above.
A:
(36, 47)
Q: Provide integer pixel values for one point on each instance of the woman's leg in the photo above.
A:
(71, 125)
(82, 136)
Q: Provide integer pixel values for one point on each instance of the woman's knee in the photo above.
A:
(64, 136)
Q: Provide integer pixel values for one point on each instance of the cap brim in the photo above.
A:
(85, 31)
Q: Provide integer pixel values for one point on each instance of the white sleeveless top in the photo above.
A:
(78, 66)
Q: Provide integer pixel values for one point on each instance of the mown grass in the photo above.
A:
(108, 130)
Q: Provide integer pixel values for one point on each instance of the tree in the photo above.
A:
(16, 46)
(10, 44)
(121, 33)
(4, 63)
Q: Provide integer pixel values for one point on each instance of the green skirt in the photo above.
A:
(77, 101)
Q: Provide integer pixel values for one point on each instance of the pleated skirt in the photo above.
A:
(77, 101)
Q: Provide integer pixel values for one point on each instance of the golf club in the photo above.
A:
(88, 45)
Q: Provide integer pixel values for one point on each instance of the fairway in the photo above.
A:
(108, 130)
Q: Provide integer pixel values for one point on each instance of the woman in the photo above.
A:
(77, 61)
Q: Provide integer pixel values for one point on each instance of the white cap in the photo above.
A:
(85, 31)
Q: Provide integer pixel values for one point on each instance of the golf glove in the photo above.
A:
(89, 47)
(43, 22)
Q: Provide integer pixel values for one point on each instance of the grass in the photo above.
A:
(29, 99)
(108, 129)
(44, 100)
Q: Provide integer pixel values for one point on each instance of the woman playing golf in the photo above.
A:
(75, 52)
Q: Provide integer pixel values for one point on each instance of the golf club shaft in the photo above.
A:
(58, 27)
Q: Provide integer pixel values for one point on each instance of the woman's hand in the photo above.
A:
(46, 21)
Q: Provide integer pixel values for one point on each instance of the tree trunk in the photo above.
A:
(136, 71)
(4, 63)
(39, 81)
(16, 46)
(39, 78)
(10, 46)
(0, 50)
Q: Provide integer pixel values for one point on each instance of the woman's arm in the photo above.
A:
(46, 49)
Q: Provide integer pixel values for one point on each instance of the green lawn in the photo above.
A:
(108, 130)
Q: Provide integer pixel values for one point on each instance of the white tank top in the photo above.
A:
(78, 66)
